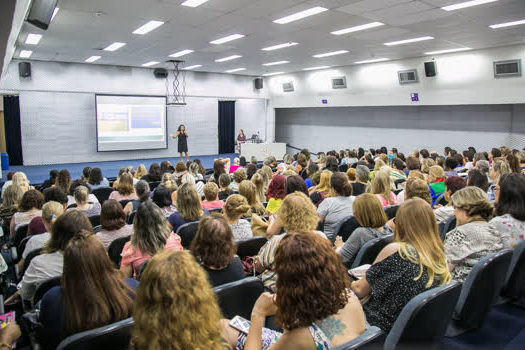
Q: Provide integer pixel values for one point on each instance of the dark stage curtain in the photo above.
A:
(226, 127)
(13, 137)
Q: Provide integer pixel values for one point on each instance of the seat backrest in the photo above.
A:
(369, 251)
(22, 246)
(391, 211)
(514, 287)
(250, 247)
(450, 224)
(424, 320)
(369, 335)
(187, 232)
(348, 227)
(28, 259)
(20, 234)
(95, 220)
(238, 298)
(343, 168)
(153, 185)
(131, 216)
(124, 202)
(115, 249)
(398, 182)
(115, 336)
(481, 289)
(216, 210)
(44, 286)
(337, 227)
(97, 229)
(102, 193)
(141, 268)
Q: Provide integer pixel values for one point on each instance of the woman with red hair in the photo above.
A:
(276, 193)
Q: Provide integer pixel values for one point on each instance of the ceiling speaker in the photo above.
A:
(258, 83)
(41, 12)
(430, 69)
(24, 69)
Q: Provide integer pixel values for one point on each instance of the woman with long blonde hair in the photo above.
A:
(248, 190)
(176, 311)
(141, 171)
(261, 186)
(319, 192)
(382, 188)
(413, 263)
(189, 206)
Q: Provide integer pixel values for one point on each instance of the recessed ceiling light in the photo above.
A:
(275, 63)
(25, 53)
(465, 4)
(148, 27)
(447, 51)
(55, 11)
(181, 53)
(115, 46)
(150, 63)
(332, 53)
(226, 39)
(33, 39)
(229, 58)
(300, 15)
(92, 59)
(357, 28)
(408, 41)
(507, 24)
(235, 70)
(193, 3)
(279, 46)
(315, 68)
(193, 67)
(270, 74)
(374, 60)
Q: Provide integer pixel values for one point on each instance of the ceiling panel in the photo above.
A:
(83, 27)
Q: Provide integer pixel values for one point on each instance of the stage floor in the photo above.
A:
(39, 173)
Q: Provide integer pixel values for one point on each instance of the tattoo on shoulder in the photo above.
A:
(332, 327)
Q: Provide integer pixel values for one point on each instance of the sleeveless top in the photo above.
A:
(320, 339)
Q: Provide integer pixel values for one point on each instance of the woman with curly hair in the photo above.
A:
(413, 263)
(237, 206)
(276, 193)
(312, 303)
(186, 294)
(296, 214)
(141, 171)
(214, 249)
(473, 238)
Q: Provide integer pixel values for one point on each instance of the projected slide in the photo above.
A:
(130, 122)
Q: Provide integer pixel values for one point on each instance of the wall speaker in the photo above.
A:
(41, 12)
(24, 69)
(430, 69)
(160, 73)
(258, 83)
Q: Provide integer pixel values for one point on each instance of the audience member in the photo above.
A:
(211, 197)
(248, 190)
(362, 176)
(113, 223)
(153, 174)
(372, 221)
(251, 169)
(224, 186)
(338, 206)
(321, 191)
(96, 180)
(310, 171)
(30, 205)
(214, 248)
(382, 188)
(510, 209)
(188, 205)
(53, 174)
(235, 207)
(141, 171)
(473, 238)
(295, 183)
(436, 182)
(276, 193)
(450, 167)
(162, 198)
(478, 178)
(452, 185)
(238, 176)
(8, 183)
(499, 168)
(70, 198)
(180, 170)
(63, 180)
(124, 189)
(81, 199)
(70, 309)
(417, 188)
(151, 234)
(413, 263)
(11, 198)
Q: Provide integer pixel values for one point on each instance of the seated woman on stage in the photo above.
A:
(241, 138)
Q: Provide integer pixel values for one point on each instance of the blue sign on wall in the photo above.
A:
(325, 102)
(414, 97)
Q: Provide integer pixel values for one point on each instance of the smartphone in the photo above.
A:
(241, 324)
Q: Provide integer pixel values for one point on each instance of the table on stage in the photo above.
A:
(261, 151)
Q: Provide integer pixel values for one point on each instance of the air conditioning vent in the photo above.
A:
(510, 68)
(339, 83)
(288, 87)
(408, 76)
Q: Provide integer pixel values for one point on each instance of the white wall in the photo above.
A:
(57, 106)
(462, 78)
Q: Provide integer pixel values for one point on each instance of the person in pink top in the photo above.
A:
(382, 188)
(211, 194)
(125, 189)
(151, 234)
(236, 165)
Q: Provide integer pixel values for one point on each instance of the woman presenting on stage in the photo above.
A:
(182, 134)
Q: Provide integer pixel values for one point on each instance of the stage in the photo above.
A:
(37, 174)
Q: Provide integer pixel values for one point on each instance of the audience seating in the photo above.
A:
(22, 246)
(95, 220)
(131, 216)
(371, 334)
(338, 228)
(423, 321)
(218, 210)
(343, 168)
(153, 185)
(514, 286)
(97, 229)
(74, 205)
(239, 297)
(44, 287)
(115, 248)
(28, 259)
(20, 234)
(348, 226)
(449, 225)
(391, 211)
(250, 247)
(102, 193)
(479, 292)
(398, 182)
(115, 336)
(187, 232)
(369, 251)
(141, 269)
(125, 201)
